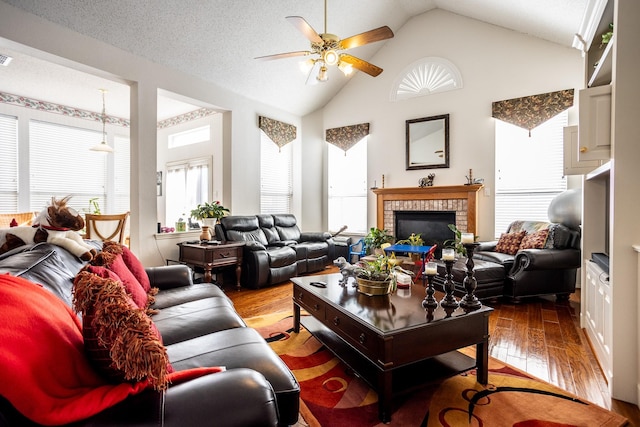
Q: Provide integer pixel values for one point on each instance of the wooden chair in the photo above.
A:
(106, 227)
(22, 218)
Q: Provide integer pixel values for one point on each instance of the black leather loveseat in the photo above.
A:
(275, 249)
(199, 328)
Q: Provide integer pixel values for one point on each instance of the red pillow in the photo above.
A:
(130, 283)
(535, 240)
(120, 339)
(132, 262)
(510, 243)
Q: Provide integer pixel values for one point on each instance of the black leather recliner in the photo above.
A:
(532, 272)
(275, 248)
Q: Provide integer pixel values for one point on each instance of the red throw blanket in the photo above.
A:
(44, 372)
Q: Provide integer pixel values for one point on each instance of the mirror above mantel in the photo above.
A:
(427, 142)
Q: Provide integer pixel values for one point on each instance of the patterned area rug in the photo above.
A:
(333, 396)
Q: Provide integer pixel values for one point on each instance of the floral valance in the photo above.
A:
(531, 111)
(280, 133)
(347, 136)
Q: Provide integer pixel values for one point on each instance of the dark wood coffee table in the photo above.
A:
(391, 341)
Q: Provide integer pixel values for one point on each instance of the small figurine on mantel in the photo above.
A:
(469, 178)
(427, 181)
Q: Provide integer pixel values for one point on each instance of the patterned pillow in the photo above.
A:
(510, 243)
(535, 240)
(120, 339)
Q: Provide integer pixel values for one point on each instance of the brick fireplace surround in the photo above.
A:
(463, 199)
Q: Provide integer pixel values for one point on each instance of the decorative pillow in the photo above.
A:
(115, 263)
(510, 243)
(535, 240)
(132, 262)
(119, 338)
(133, 288)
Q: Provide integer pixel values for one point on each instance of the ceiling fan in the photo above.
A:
(327, 49)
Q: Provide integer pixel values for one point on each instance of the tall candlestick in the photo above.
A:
(470, 301)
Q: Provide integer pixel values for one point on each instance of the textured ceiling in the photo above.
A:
(217, 40)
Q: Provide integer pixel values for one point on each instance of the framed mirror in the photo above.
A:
(428, 142)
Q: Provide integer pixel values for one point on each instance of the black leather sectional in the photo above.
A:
(199, 328)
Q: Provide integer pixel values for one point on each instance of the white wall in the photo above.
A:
(495, 64)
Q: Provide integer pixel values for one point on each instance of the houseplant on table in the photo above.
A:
(413, 240)
(375, 239)
(378, 277)
(209, 212)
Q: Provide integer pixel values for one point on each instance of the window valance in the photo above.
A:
(279, 132)
(531, 111)
(347, 136)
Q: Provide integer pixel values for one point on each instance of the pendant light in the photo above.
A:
(103, 147)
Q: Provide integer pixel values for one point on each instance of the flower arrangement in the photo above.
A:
(209, 210)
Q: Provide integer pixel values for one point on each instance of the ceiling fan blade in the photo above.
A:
(360, 64)
(283, 55)
(367, 37)
(304, 27)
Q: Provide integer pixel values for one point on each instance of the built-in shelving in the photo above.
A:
(603, 69)
(600, 173)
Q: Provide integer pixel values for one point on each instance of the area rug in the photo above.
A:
(331, 395)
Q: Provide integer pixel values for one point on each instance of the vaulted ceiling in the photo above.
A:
(217, 41)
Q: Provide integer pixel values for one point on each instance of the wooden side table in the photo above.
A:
(213, 256)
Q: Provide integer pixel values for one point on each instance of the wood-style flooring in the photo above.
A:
(539, 336)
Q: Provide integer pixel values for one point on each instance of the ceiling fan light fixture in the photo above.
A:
(307, 65)
(346, 68)
(322, 74)
(330, 57)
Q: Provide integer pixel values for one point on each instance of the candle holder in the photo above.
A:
(431, 269)
(449, 301)
(470, 301)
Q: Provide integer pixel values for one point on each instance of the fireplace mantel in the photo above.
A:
(463, 199)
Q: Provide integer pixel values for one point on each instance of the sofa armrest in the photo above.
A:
(546, 259)
(317, 236)
(487, 246)
(252, 245)
(170, 276)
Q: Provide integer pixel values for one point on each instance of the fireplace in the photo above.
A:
(433, 226)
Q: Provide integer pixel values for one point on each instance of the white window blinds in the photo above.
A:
(348, 187)
(187, 186)
(61, 164)
(276, 171)
(529, 171)
(8, 164)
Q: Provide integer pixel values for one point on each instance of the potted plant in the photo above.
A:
(378, 277)
(209, 211)
(413, 240)
(456, 242)
(376, 238)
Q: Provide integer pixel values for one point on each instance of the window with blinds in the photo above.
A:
(61, 164)
(347, 181)
(8, 164)
(187, 187)
(276, 176)
(529, 171)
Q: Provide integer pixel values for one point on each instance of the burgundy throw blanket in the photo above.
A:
(44, 372)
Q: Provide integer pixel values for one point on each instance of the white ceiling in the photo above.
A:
(217, 40)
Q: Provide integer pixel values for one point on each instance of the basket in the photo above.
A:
(373, 287)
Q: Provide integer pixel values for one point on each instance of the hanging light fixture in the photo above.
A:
(103, 147)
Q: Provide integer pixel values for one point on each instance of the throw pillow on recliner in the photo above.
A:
(120, 339)
(535, 240)
(509, 243)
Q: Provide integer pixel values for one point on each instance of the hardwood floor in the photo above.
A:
(539, 336)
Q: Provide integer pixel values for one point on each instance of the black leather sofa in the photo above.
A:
(199, 328)
(551, 269)
(275, 249)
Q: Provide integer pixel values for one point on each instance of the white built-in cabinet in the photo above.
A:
(594, 138)
(572, 164)
(597, 314)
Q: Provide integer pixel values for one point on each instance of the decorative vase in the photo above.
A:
(205, 235)
(209, 222)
